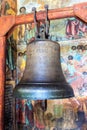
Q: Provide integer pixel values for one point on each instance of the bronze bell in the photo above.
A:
(43, 77)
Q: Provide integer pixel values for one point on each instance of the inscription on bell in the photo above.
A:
(43, 48)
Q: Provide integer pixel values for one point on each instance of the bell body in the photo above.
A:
(43, 77)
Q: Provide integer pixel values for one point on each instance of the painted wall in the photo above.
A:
(71, 33)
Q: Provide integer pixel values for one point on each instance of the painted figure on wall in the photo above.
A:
(39, 116)
(75, 28)
(25, 31)
(8, 7)
(29, 114)
(10, 57)
(22, 27)
(24, 113)
(68, 118)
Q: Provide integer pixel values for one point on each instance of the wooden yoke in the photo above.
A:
(7, 24)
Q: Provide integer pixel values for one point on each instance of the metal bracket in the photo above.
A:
(36, 23)
(42, 31)
(47, 22)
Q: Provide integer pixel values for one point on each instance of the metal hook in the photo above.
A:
(36, 23)
(47, 21)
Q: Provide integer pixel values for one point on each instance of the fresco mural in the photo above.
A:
(71, 33)
(73, 61)
(67, 114)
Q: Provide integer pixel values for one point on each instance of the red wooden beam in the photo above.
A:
(41, 15)
(2, 79)
(77, 10)
(6, 23)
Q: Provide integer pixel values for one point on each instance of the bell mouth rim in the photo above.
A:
(45, 83)
(42, 92)
(34, 97)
